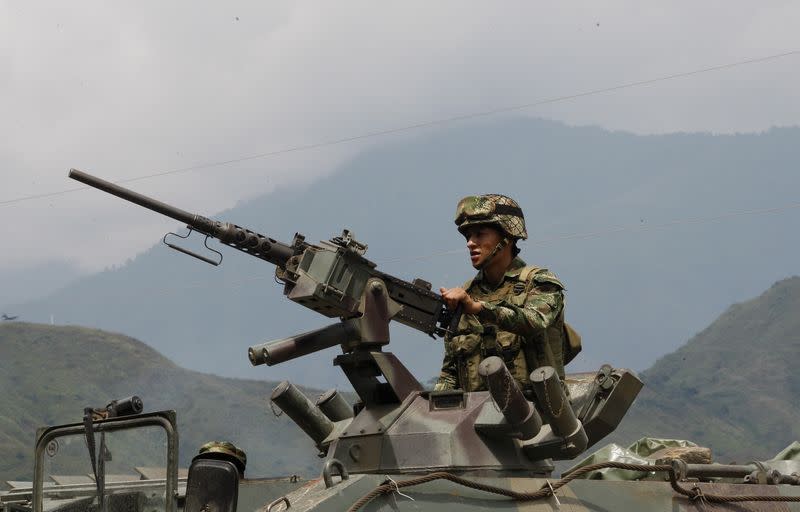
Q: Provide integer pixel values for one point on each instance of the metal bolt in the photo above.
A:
(52, 448)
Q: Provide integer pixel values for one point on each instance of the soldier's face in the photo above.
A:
(481, 242)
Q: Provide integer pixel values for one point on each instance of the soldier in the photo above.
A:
(510, 309)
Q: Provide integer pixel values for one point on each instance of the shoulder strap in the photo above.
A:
(525, 276)
(572, 340)
(572, 343)
(527, 271)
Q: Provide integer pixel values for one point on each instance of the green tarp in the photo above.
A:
(634, 454)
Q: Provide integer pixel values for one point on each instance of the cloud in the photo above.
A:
(128, 90)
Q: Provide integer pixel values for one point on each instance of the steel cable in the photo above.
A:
(694, 494)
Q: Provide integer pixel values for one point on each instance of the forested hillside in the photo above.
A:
(733, 387)
(49, 374)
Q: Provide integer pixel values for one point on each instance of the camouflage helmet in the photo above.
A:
(496, 209)
(224, 450)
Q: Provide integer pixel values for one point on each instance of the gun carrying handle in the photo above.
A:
(192, 253)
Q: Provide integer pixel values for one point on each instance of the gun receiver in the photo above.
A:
(333, 278)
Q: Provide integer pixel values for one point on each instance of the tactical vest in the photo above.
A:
(554, 346)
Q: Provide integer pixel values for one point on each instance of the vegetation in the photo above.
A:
(49, 374)
(733, 387)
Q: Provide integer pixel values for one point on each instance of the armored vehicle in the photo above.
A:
(398, 446)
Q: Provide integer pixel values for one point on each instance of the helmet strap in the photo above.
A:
(497, 248)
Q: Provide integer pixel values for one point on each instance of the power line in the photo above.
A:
(573, 236)
(622, 229)
(417, 126)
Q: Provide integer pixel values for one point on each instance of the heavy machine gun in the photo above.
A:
(332, 278)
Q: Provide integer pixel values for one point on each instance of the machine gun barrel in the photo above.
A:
(133, 197)
(245, 240)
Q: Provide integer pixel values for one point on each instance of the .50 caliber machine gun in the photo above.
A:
(332, 278)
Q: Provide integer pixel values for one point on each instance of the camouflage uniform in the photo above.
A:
(522, 321)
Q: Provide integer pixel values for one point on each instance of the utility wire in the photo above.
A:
(621, 229)
(695, 220)
(417, 126)
(573, 236)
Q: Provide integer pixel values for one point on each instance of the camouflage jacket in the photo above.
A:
(522, 321)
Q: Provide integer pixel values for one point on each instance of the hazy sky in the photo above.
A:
(124, 90)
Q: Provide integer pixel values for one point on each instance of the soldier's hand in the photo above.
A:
(455, 296)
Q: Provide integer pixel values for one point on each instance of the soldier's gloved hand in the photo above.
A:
(455, 296)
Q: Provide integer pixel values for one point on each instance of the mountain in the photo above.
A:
(734, 386)
(31, 283)
(654, 236)
(49, 374)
